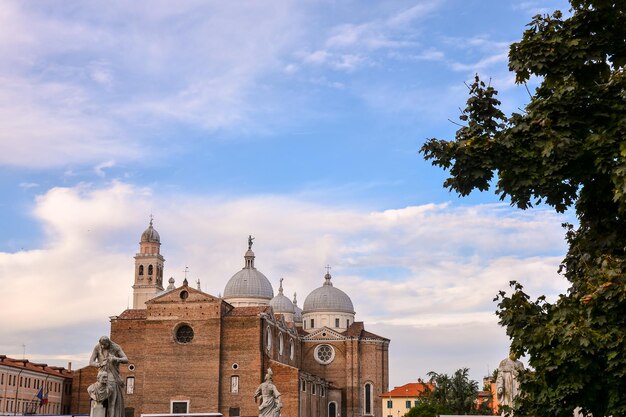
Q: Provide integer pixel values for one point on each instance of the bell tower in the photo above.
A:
(148, 268)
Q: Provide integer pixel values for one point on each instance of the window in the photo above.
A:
(140, 269)
(269, 338)
(312, 323)
(184, 334)
(302, 385)
(416, 403)
(408, 404)
(128, 412)
(292, 349)
(280, 344)
(332, 409)
(313, 386)
(233, 412)
(367, 399)
(130, 385)
(179, 407)
(389, 404)
(348, 323)
(336, 322)
(150, 270)
(234, 384)
(324, 354)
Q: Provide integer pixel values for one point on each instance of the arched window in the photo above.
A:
(280, 344)
(150, 270)
(292, 349)
(332, 409)
(368, 399)
(140, 269)
(269, 339)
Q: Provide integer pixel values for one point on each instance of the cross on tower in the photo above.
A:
(328, 268)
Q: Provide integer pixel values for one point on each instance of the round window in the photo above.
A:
(324, 354)
(183, 295)
(184, 334)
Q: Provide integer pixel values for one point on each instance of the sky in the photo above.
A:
(296, 122)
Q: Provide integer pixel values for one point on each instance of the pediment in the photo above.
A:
(324, 333)
(184, 294)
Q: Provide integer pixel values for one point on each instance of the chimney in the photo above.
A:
(69, 366)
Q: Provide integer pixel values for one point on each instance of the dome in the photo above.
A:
(328, 298)
(249, 282)
(150, 235)
(280, 303)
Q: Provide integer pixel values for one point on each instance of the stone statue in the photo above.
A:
(100, 390)
(270, 404)
(107, 356)
(507, 383)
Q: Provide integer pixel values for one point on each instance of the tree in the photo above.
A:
(567, 149)
(456, 394)
(426, 409)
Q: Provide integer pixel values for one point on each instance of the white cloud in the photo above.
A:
(100, 168)
(425, 267)
(483, 63)
(87, 86)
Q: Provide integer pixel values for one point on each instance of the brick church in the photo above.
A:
(192, 352)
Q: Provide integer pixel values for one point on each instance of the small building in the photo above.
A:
(33, 388)
(400, 400)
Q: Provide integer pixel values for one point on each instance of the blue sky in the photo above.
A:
(296, 122)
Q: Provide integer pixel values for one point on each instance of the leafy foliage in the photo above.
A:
(567, 149)
(454, 395)
(426, 410)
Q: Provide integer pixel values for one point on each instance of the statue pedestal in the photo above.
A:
(97, 410)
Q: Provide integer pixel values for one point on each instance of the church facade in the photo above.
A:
(193, 352)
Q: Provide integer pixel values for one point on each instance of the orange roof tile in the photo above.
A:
(412, 389)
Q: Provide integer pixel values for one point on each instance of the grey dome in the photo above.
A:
(150, 235)
(249, 282)
(328, 298)
(280, 303)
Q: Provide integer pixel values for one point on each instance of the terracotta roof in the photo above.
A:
(35, 367)
(354, 330)
(412, 389)
(249, 311)
(133, 314)
(357, 329)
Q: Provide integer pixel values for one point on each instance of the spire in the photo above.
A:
(295, 302)
(327, 277)
(198, 284)
(280, 288)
